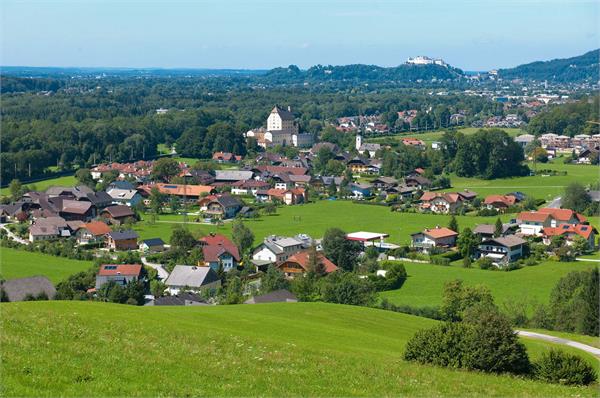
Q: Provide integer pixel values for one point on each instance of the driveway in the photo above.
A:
(555, 203)
(558, 340)
(162, 272)
(14, 237)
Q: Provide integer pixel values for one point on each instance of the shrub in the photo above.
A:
(439, 260)
(556, 366)
(489, 345)
(485, 263)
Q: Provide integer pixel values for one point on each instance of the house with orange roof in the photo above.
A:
(191, 192)
(563, 216)
(441, 203)
(533, 222)
(299, 264)
(219, 251)
(290, 197)
(499, 202)
(121, 274)
(92, 232)
(587, 232)
(438, 237)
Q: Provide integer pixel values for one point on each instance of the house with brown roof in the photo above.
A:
(502, 250)
(248, 187)
(438, 237)
(218, 251)
(417, 181)
(221, 206)
(121, 274)
(122, 240)
(92, 232)
(226, 157)
(499, 202)
(587, 232)
(298, 264)
(117, 214)
(441, 203)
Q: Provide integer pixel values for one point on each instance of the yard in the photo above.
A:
(20, 264)
(425, 282)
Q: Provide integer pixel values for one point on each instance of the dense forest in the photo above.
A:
(568, 119)
(114, 119)
(576, 69)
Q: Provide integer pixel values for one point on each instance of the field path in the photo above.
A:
(558, 340)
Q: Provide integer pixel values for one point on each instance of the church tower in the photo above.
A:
(358, 142)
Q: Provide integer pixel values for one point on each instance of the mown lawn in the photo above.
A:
(303, 349)
(425, 282)
(315, 218)
(65, 181)
(539, 187)
(19, 264)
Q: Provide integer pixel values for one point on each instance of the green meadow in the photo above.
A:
(532, 284)
(303, 349)
(315, 218)
(20, 264)
(65, 181)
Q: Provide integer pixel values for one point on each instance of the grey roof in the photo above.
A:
(153, 242)
(368, 146)
(43, 230)
(75, 206)
(525, 138)
(386, 180)
(192, 276)
(123, 235)
(284, 114)
(121, 185)
(489, 229)
(58, 222)
(277, 296)
(99, 197)
(229, 201)
(184, 298)
(233, 175)
(508, 241)
(595, 196)
(18, 289)
(122, 194)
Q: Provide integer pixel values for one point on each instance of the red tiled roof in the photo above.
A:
(301, 258)
(450, 197)
(533, 216)
(441, 232)
(579, 229)
(120, 269)
(218, 241)
(97, 228)
(562, 214)
(508, 200)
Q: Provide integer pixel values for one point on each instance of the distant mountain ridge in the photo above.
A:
(362, 72)
(566, 70)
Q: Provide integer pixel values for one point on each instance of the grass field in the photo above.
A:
(425, 282)
(537, 186)
(65, 181)
(304, 349)
(432, 136)
(19, 264)
(315, 218)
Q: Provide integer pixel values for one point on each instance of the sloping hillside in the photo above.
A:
(97, 349)
(575, 69)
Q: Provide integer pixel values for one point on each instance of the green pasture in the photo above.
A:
(20, 264)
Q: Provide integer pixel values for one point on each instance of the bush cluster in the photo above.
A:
(559, 367)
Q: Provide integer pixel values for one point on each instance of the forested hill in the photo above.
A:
(567, 70)
(363, 73)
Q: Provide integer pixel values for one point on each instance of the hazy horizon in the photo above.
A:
(471, 35)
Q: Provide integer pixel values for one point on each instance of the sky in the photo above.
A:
(472, 35)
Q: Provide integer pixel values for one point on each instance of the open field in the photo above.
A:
(425, 282)
(303, 349)
(431, 136)
(537, 186)
(66, 181)
(315, 218)
(19, 264)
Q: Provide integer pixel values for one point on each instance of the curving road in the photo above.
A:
(558, 340)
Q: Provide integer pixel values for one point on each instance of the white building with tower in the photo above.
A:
(365, 147)
(282, 129)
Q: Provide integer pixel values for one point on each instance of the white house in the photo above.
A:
(192, 278)
(502, 250)
(276, 248)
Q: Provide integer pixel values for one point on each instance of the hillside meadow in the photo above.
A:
(531, 284)
(20, 264)
(302, 349)
(64, 181)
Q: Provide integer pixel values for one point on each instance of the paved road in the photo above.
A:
(558, 340)
(13, 236)
(555, 203)
(594, 260)
(162, 272)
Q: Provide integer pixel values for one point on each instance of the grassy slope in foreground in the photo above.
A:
(425, 282)
(20, 264)
(84, 349)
